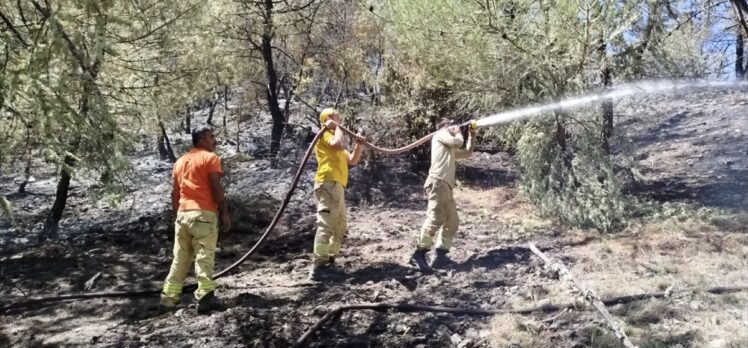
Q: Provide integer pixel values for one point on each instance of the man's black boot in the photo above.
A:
(441, 260)
(209, 302)
(418, 260)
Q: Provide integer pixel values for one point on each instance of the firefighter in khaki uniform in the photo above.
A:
(197, 197)
(442, 212)
(329, 190)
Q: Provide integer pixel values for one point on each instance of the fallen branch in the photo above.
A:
(402, 307)
(91, 283)
(553, 318)
(615, 325)
(486, 312)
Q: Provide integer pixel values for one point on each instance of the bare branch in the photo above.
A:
(740, 7)
(414, 308)
(616, 325)
(160, 26)
(288, 55)
(295, 9)
(13, 29)
(45, 12)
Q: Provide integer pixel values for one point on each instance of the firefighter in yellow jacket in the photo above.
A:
(441, 215)
(329, 190)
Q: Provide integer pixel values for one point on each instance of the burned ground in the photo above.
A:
(692, 155)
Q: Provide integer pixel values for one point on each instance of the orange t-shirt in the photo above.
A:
(191, 175)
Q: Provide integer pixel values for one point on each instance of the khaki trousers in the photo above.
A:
(332, 222)
(441, 216)
(196, 234)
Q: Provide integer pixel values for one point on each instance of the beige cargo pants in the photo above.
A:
(332, 222)
(196, 234)
(441, 216)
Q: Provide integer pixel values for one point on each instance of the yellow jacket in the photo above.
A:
(332, 164)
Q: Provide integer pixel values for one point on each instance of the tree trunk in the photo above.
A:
(272, 76)
(238, 130)
(165, 144)
(27, 169)
(607, 105)
(225, 104)
(560, 132)
(61, 194)
(567, 154)
(26, 175)
(61, 197)
(741, 8)
(187, 121)
(51, 224)
(739, 55)
(651, 31)
(607, 124)
(162, 154)
(212, 105)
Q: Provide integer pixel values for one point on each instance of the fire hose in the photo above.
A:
(252, 250)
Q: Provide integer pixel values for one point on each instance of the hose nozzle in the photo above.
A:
(471, 125)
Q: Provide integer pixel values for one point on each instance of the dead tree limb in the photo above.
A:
(403, 307)
(91, 283)
(615, 324)
(740, 6)
(167, 143)
(487, 312)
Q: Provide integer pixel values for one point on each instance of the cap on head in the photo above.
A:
(325, 114)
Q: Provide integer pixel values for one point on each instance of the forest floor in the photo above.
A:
(692, 152)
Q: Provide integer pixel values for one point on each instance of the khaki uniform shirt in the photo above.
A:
(445, 150)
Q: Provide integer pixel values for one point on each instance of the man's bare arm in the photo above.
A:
(175, 196)
(216, 190)
(354, 157)
(338, 140)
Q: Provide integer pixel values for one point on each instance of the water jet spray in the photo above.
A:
(626, 90)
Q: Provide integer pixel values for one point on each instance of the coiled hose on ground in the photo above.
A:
(278, 214)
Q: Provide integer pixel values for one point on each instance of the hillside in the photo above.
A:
(691, 152)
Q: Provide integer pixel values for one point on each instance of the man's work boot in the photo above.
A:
(315, 273)
(441, 260)
(324, 271)
(418, 260)
(208, 303)
(167, 304)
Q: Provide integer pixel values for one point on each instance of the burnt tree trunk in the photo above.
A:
(61, 197)
(567, 154)
(739, 55)
(238, 130)
(607, 104)
(225, 104)
(26, 175)
(52, 222)
(212, 105)
(741, 8)
(650, 33)
(27, 168)
(560, 133)
(187, 121)
(162, 154)
(165, 150)
(272, 85)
